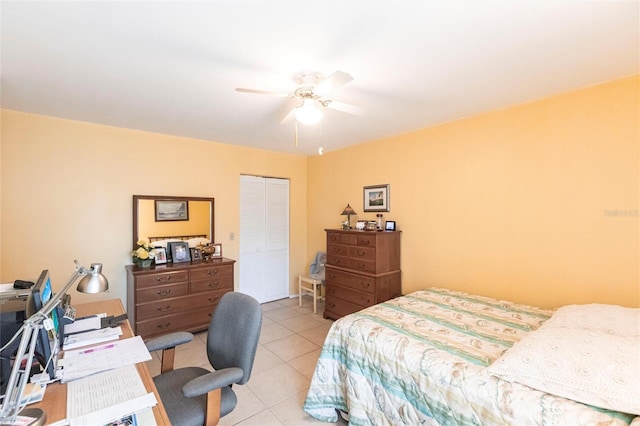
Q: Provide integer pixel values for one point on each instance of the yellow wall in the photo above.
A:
(537, 203)
(67, 193)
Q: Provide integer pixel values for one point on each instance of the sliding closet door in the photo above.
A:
(264, 238)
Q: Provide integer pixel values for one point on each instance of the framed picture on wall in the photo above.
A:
(167, 210)
(376, 198)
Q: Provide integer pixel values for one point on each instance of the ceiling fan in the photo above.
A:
(311, 96)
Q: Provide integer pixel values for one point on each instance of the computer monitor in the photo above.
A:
(49, 342)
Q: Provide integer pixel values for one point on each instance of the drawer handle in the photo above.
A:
(214, 300)
(361, 265)
(169, 278)
(164, 326)
(164, 308)
(332, 276)
(214, 284)
(364, 242)
(163, 292)
(332, 305)
(362, 253)
(215, 271)
(365, 284)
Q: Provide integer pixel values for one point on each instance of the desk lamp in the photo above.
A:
(348, 211)
(92, 282)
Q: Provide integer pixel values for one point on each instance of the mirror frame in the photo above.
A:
(137, 198)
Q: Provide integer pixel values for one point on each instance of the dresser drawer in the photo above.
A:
(340, 238)
(161, 278)
(154, 294)
(363, 253)
(184, 321)
(214, 283)
(362, 265)
(358, 297)
(179, 304)
(336, 307)
(341, 261)
(366, 240)
(354, 281)
(211, 272)
(337, 250)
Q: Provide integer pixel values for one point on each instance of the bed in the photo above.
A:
(426, 358)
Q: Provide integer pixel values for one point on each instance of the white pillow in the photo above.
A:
(610, 319)
(164, 243)
(195, 242)
(579, 354)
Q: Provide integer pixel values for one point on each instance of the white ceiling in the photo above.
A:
(171, 67)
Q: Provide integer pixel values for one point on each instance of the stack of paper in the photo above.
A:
(91, 337)
(84, 362)
(107, 397)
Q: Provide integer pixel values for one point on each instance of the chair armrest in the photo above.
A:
(210, 381)
(169, 341)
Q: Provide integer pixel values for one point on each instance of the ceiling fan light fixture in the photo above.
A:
(308, 113)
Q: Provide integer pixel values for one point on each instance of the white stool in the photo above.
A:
(315, 288)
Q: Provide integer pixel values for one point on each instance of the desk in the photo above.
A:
(54, 403)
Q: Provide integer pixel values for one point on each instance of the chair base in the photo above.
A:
(315, 288)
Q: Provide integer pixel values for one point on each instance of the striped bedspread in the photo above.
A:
(420, 360)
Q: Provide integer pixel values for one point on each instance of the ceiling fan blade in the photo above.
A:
(264, 92)
(336, 79)
(343, 107)
(285, 112)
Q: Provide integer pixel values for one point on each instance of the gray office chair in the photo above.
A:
(195, 396)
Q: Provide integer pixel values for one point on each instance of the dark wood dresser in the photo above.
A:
(362, 269)
(176, 297)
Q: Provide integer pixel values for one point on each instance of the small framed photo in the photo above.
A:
(167, 210)
(361, 224)
(196, 254)
(180, 252)
(376, 198)
(160, 254)
(217, 250)
(390, 225)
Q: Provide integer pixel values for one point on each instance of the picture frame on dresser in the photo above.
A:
(160, 255)
(217, 250)
(180, 252)
(376, 198)
(196, 254)
(390, 225)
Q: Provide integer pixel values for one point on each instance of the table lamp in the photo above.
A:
(348, 211)
(92, 282)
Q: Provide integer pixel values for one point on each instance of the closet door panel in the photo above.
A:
(264, 238)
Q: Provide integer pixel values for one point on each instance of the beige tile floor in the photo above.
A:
(289, 347)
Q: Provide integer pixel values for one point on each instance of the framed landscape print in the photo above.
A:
(172, 210)
(376, 198)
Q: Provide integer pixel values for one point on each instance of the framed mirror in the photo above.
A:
(157, 217)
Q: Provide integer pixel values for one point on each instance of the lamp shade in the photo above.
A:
(348, 211)
(94, 281)
(308, 113)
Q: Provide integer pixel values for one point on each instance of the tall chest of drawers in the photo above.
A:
(362, 269)
(176, 297)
